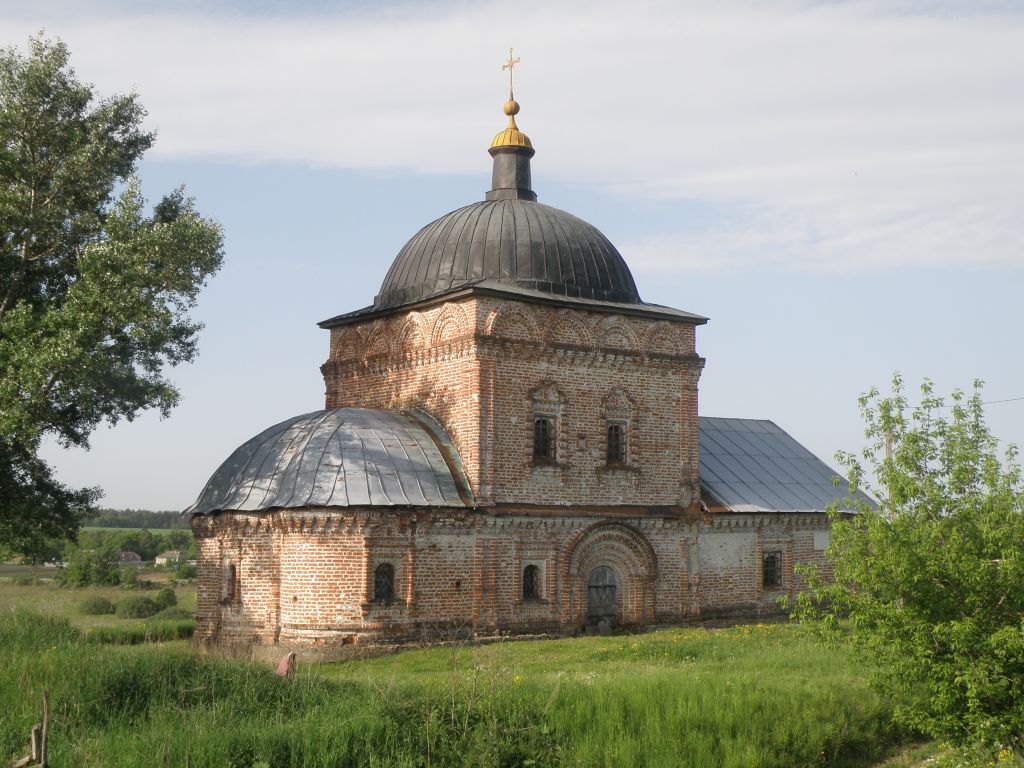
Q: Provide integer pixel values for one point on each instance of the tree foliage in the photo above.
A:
(932, 579)
(95, 291)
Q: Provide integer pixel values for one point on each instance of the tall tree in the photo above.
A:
(95, 291)
(932, 580)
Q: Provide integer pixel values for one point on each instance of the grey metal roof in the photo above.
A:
(518, 242)
(500, 289)
(339, 458)
(751, 465)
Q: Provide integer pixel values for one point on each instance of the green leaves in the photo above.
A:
(95, 294)
(933, 579)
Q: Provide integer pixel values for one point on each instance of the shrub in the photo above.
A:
(96, 606)
(90, 566)
(137, 607)
(128, 578)
(166, 598)
(187, 572)
(25, 581)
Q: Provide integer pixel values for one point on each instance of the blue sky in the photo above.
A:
(838, 186)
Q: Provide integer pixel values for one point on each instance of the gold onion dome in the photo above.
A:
(511, 136)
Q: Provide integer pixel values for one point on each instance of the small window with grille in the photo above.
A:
(616, 444)
(771, 571)
(531, 582)
(544, 438)
(384, 584)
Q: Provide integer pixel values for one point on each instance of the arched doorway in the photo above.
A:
(602, 610)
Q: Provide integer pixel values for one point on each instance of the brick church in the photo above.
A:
(510, 444)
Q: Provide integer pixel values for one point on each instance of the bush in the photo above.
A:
(96, 606)
(25, 581)
(166, 598)
(128, 578)
(137, 607)
(174, 613)
(90, 566)
(187, 572)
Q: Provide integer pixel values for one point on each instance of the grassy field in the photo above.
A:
(64, 602)
(758, 695)
(129, 530)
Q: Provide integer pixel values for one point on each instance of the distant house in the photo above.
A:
(170, 557)
(129, 559)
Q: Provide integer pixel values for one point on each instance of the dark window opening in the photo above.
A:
(228, 589)
(384, 584)
(616, 444)
(771, 575)
(531, 582)
(543, 438)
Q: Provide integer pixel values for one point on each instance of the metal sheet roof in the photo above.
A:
(751, 465)
(339, 458)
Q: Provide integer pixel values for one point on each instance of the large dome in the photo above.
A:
(513, 241)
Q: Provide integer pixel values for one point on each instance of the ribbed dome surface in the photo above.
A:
(338, 458)
(519, 242)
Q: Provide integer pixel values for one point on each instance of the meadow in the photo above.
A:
(753, 695)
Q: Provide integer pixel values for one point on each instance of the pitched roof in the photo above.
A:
(751, 465)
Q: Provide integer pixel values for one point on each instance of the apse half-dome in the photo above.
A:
(517, 242)
(340, 457)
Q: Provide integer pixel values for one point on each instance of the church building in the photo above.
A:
(510, 444)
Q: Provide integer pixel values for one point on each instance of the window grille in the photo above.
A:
(531, 582)
(772, 569)
(384, 584)
(543, 438)
(616, 444)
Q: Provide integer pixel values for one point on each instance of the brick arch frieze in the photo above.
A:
(411, 334)
(664, 338)
(348, 345)
(628, 553)
(566, 329)
(451, 323)
(613, 333)
(379, 341)
(510, 321)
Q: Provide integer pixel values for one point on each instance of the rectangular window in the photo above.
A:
(771, 573)
(616, 444)
(543, 438)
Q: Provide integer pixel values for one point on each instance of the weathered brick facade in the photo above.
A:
(305, 577)
(483, 366)
(560, 485)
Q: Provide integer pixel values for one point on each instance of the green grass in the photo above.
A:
(129, 530)
(66, 602)
(762, 695)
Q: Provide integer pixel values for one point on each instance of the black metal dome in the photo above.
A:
(513, 241)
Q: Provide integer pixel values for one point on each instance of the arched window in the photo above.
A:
(616, 444)
(384, 584)
(531, 582)
(543, 438)
(771, 571)
(227, 592)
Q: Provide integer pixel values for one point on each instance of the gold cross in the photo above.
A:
(509, 65)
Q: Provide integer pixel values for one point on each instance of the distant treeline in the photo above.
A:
(139, 518)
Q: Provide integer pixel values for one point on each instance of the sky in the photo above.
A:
(838, 186)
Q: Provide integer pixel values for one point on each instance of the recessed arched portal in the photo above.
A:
(602, 609)
(610, 569)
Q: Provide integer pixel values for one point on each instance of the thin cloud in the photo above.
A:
(835, 136)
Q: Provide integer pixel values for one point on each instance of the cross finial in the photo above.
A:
(509, 65)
